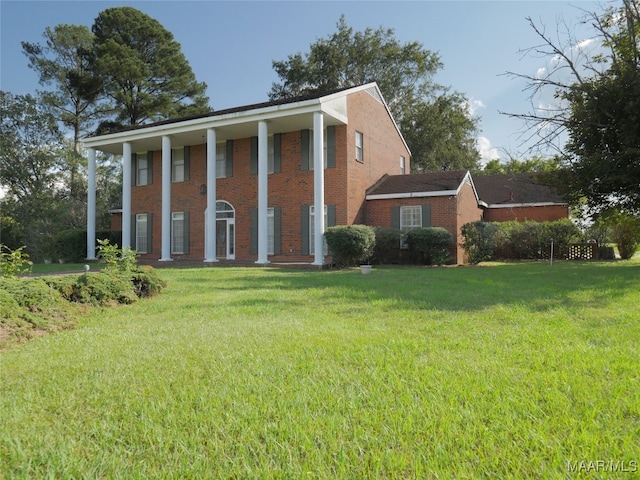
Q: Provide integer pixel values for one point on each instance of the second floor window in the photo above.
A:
(359, 147)
(177, 164)
(142, 169)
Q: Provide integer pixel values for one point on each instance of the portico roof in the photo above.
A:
(240, 122)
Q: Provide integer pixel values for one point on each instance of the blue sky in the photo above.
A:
(231, 45)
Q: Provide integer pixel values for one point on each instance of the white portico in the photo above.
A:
(261, 121)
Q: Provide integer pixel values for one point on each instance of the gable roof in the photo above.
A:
(492, 191)
(241, 122)
(431, 184)
(515, 189)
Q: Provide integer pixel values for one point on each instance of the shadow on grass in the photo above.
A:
(538, 286)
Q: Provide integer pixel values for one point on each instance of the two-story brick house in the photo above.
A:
(246, 183)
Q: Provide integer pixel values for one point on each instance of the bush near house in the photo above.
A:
(479, 241)
(430, 245)
(350, 244)
(387, 243)
(531, 240)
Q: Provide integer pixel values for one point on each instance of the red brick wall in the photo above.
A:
(448, 212)
(468, 211)
(539, 214)
(289, 189)
(382, 148)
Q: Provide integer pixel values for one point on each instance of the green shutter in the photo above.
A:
(277, 152)
(304, 161)
(229, 159)
(331, 146)
(134, 169)
(187, 155)
(254, 231)
(304, 230)
(426, 216)
(277, 230)
(254, 155)
(331, 216)
(395, 217)
(186, 232)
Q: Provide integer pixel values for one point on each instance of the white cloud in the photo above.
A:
(473, 106)
(487, 152)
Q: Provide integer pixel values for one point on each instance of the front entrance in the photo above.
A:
(225, 241)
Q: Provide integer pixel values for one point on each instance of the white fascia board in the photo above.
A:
(521, 205)
(248, 116)
(389, 196)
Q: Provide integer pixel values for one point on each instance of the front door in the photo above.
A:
(225, 232)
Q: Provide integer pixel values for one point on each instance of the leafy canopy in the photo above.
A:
(597, 112)
(143, 70)
(434, 122)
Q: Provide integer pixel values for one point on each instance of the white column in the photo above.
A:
(210, 247)
(263, 196)
(165, 245)
(126, 194)
(91, 205)
(318, 187)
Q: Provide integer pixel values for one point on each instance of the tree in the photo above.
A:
(31, 148)
(63, 63)
(598, 98)
(144, 73)
(535, 164)
(434, 122)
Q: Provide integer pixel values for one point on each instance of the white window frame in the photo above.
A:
(177, 233)
(177, 165)
(142, 159)
(271, 231)
(410, 219)
(403, 165)
(221, 160)
(359, 147)
(142, 239)
(312, 230)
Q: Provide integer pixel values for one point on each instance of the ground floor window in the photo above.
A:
(178, 233)
(142, 233)
(410, 218)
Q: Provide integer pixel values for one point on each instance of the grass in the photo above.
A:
(500, 371)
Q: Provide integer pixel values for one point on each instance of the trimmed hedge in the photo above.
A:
(350, 244)
(430, 245)
(387, 244)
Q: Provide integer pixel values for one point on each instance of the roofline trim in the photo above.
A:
(388, 196)
(520, 205)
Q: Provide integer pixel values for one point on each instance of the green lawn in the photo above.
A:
(503, 371)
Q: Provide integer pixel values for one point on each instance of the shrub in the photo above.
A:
(115, 258)
(479, 241)
(387, 242)
(71, 245)
(13, 262)
(563, 232)
(350, 244)
(430, 245)
(625, 232)
(146, 282)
